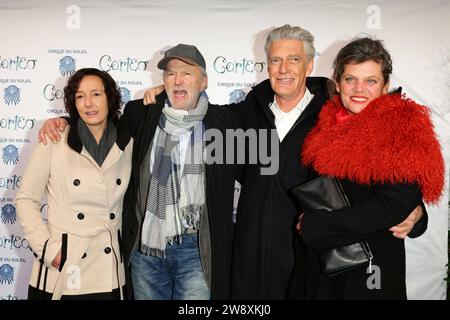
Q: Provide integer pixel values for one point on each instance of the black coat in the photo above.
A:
(142, 121)
(374, 209)
(264, 252)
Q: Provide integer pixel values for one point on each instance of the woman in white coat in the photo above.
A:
(84, 177)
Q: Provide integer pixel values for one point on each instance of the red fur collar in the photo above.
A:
(391, 140)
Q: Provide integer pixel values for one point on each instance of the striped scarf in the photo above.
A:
(176, 193)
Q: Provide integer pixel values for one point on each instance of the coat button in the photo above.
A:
(107, 250)
(76, 182)
(80, 216)
(112, 216)
(84, 256)
(119, 182)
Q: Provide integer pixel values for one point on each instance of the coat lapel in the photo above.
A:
(265, 96)
(112, 157)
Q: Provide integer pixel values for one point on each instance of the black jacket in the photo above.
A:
(373, 210)
(264, 252)
(142, 121)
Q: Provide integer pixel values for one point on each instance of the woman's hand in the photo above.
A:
(57, 260)
(403, 228)
(299, 224)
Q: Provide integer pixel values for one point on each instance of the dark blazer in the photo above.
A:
(264, 251)
(142, 121)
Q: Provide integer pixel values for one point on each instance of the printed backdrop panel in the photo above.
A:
(45, 42)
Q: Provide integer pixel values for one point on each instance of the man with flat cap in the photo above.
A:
(177, 226)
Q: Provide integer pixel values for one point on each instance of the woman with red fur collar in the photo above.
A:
(383, 150)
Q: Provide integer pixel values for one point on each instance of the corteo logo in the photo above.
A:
(237, 96)
(8, 214)
(14, 242)
(6, 274)
(107, 63)
(10, 154)
(126, 95)
(17, 122)
(12, 183)
(223, 65)
(67, 66)
(51, 92)
(11, 95)
(17, 63)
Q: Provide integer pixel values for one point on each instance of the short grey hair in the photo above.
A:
(292, 32)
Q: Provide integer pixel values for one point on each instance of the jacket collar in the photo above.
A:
(318, 86)
(74, 142)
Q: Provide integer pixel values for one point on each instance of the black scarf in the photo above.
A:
(101, 150)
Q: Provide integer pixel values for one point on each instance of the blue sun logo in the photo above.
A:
(8, 214)
(67, 66)
(237, 96)
(12, 95)
(6, 274)
(10, 154)
(126, 95)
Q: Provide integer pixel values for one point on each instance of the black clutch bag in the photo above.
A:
(325, 192)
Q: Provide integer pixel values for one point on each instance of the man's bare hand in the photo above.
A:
(50, 129)
(402, 229)
(150, 94)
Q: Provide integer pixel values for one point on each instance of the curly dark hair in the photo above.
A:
(362, 50)
(111, 91)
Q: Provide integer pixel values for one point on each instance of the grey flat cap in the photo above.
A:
(185, 53)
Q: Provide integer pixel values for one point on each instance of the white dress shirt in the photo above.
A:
(285, 120)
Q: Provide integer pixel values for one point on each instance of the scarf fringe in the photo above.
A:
(155, 252)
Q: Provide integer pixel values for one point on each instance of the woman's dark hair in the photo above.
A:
(361, 50)
(111, 91)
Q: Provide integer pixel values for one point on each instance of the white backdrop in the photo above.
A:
(42, 42)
